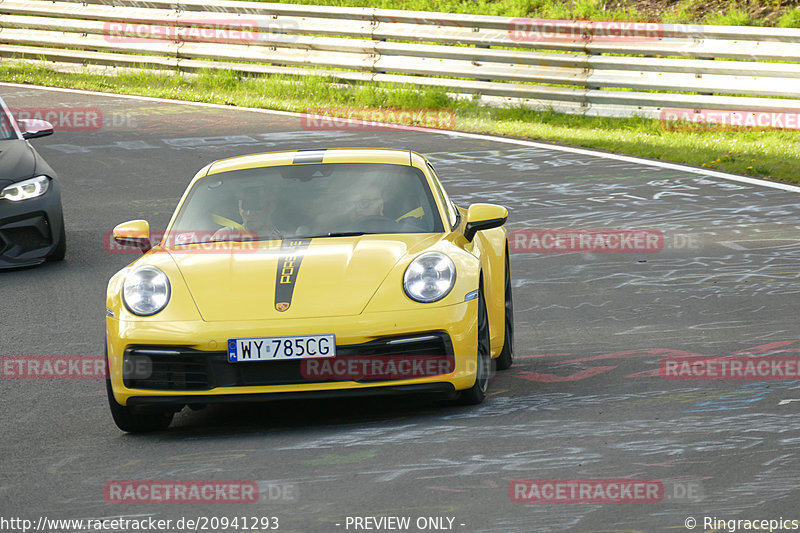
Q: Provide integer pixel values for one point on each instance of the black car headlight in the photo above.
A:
(146, 290)
(429, 277)
(25, 190)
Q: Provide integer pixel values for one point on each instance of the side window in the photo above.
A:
(452, 213)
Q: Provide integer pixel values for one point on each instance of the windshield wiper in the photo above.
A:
(335, 234)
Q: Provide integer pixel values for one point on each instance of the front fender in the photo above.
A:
(493, 245)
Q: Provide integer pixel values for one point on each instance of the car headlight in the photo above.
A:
(27, 189)
(146, 291)
(429, 277)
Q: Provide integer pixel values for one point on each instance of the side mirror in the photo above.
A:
(33, 128)
(484, 216)
(133, 233)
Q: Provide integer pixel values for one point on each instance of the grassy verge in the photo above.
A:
(777, 13)
(773, 155)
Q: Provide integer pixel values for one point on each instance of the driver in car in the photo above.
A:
(367, 210)
(255, 208)
(368, 202)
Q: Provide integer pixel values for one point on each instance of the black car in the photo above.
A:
(31, 220)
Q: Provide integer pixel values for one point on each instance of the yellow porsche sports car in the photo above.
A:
(310, 273)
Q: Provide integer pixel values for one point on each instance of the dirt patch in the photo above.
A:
(762, 12)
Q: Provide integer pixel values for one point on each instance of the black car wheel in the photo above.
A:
(135, 419)
(477, 392)
(506, 358)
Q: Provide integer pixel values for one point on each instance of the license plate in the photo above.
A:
(281, 348)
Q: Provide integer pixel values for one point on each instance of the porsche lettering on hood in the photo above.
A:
(303, 278)
(288, 269)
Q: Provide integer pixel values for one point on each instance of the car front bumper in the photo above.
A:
(187, 363)
(30, 229)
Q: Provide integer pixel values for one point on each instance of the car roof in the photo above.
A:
(304, 157)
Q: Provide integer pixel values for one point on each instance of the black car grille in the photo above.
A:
(24, 234)
(27, 238)
(166, 368)
(186, 369)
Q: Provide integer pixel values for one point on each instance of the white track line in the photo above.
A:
(479, 136)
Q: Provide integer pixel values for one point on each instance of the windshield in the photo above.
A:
(313, 200)
(6, 129)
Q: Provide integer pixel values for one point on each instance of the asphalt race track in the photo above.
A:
(584, 400)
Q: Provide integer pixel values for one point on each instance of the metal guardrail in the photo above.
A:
(587, 67)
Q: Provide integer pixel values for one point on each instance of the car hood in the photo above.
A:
(17, 161)
(294, 279)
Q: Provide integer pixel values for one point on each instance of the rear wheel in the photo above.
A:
(477, 392)
(506, 358)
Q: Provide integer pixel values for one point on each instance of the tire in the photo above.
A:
(477, 393)
(60, 250)
(137, 419)
(506, 358)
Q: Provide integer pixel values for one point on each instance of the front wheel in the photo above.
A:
(477, 392)
(137, 419)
